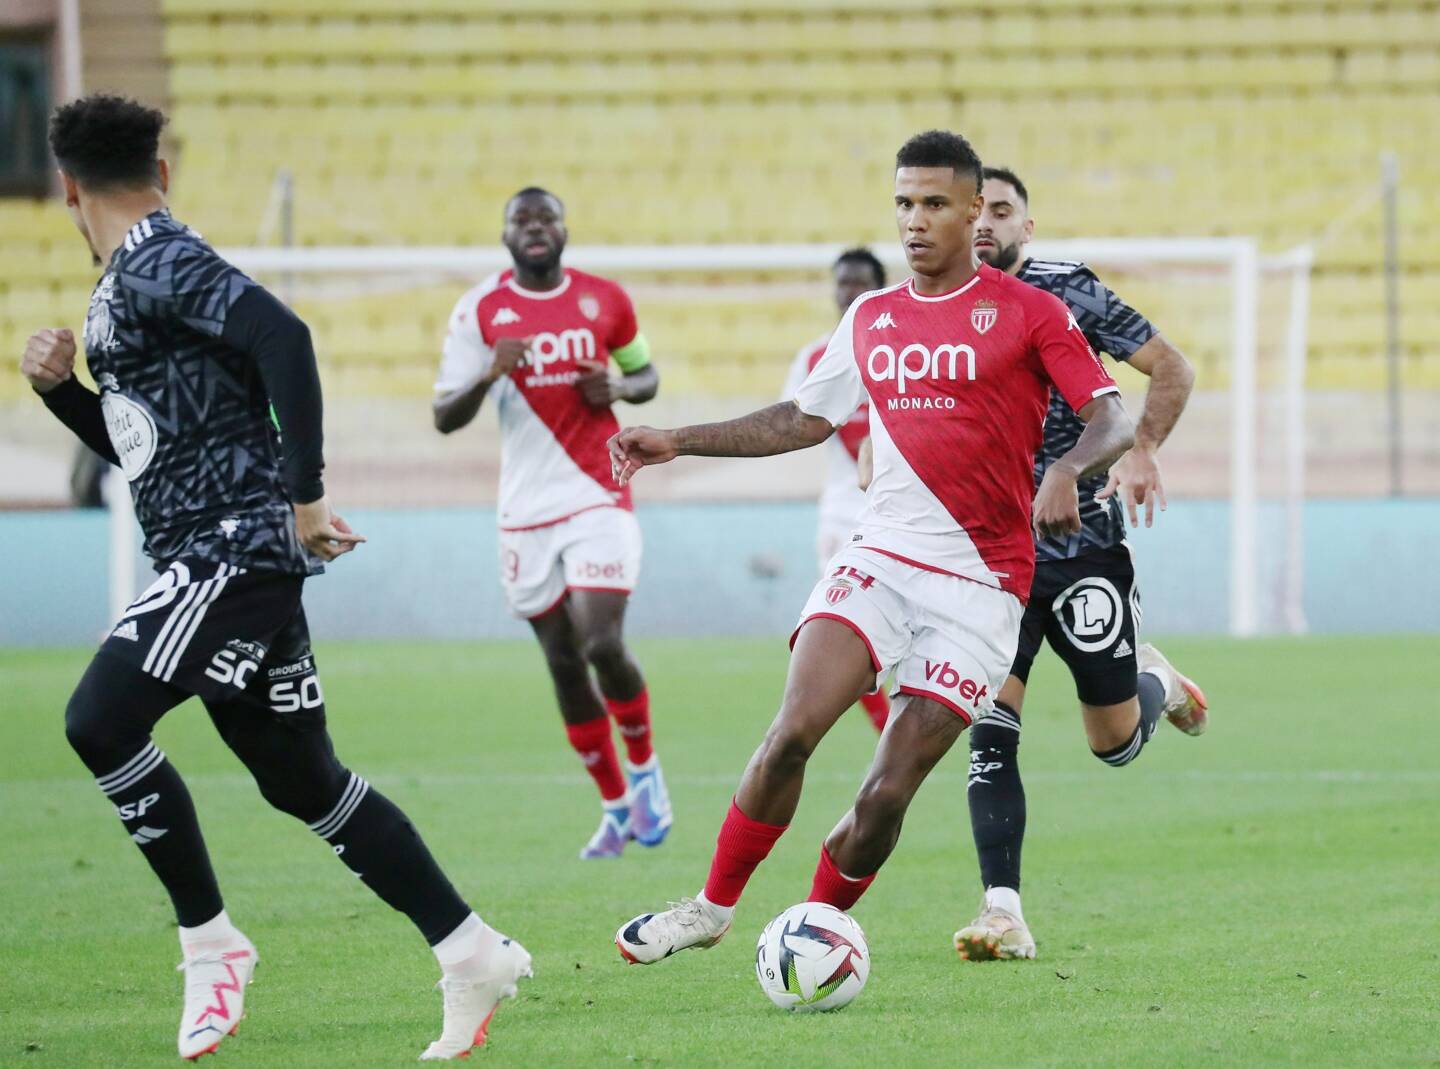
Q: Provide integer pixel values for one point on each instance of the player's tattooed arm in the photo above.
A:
(780, 428)
(1136, 475)
(1109, 431)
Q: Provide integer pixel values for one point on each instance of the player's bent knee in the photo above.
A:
(785, 751)
(605, 651)
(93, 733)
(880, 806)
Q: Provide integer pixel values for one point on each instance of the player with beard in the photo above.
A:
(957, 362)
(539, 338)
(190, 355)
(854, 272)
(1083, 600)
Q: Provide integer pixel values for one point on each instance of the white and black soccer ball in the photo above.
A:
(812, 957)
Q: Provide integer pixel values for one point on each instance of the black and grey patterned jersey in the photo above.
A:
(187, 414)
(1111, 326)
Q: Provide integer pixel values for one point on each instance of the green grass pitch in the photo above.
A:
(1266, 894)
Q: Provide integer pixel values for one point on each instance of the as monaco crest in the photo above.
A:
(983, 316)
(589, 307)
(838, 592)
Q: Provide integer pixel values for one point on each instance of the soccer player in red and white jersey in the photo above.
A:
(539, 339)
(957, 362)
(855, 271)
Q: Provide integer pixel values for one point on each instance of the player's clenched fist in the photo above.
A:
(49, 358)
(510, 353)
(635, 447)
(1057, 505)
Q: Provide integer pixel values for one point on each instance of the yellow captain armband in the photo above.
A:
(634, 356)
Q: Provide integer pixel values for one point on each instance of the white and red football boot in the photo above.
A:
(215, 982)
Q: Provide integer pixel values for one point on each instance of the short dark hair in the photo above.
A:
(533, 191)
(941, 148)
(107, 142)
(1004, 174)
(861, 255)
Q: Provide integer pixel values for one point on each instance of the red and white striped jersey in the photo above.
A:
(841, 499)
(958, 385)
(553, 462)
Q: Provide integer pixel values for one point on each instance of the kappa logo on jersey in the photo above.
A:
(946, 676)
(883, 320)
(984, 315)
(916, 363)
(504, 317)
(229, 525)
(128, 630)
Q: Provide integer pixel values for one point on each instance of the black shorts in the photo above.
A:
(1088, 609)
(224, 634)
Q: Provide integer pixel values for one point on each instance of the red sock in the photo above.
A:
(596, 748)
(632, 717)
(877, 707)
(834, 888)
(741, 845)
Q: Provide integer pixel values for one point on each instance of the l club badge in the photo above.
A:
(983, 316)
(838, 592)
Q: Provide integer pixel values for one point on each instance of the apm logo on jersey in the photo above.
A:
(916, 363)
(549, 349)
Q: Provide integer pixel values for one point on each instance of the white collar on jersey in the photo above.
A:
(945, 296)
(539, 295)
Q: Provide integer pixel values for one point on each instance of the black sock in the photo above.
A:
(155, 807)
(1152, 702)
(379, 844)
(997, 797)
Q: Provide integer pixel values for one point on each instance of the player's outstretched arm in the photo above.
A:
(780, 428)
(48, 364)
(1109, 431)
(1136, 476)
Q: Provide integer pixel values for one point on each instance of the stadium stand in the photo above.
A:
(673, 121)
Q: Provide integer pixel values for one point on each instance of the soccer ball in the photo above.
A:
(812, 957)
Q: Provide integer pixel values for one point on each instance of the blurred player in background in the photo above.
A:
(1083, 601)
(540, 337)
(189, 355)
(855, 271)
(957, 363)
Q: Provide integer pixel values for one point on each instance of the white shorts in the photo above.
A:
(830, 538)
(598, 549)
(948, 638)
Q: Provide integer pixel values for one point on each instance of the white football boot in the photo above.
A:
(1185, 704)
(215, 982)
(471, 1001)
(995, 935)
(688, 923)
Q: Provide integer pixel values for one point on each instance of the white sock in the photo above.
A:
(616, 805)
(649, 765)
(216, 932)
(1006, 898)
(466, 949)
(716, 912)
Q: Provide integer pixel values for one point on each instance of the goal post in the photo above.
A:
(1229, 274)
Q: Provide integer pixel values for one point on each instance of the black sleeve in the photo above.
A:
(279, 343)
(79, 409)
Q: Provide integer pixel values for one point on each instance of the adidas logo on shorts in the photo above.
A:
(1123, 650)
(129, 629)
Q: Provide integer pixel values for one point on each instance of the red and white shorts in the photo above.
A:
(598, 549)
(947, 638)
